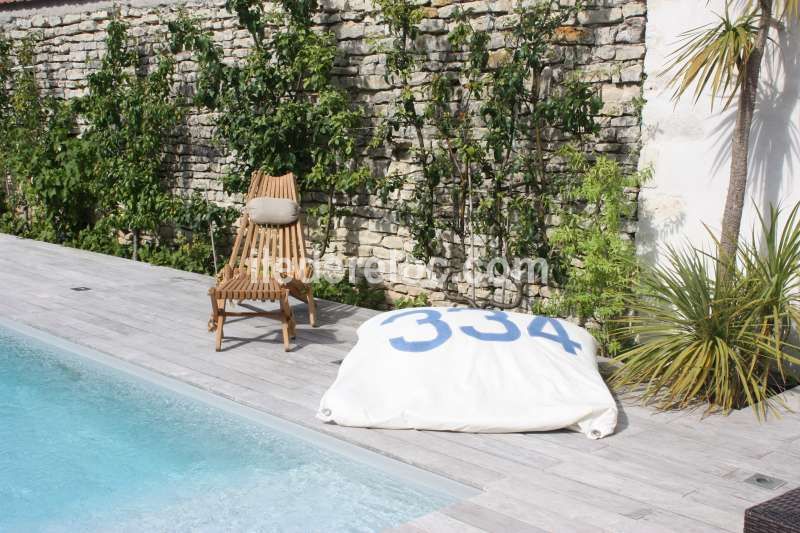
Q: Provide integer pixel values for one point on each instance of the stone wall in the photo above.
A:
(605, 44)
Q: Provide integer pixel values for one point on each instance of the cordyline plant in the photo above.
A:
(726, 57)
(706, 331)
(278, 109)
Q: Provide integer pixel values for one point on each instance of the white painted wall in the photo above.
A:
(687, 144)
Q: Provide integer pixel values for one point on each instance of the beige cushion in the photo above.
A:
(273, 211)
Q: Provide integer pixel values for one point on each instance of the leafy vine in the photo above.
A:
(91, 171)
(490, 166)
(278, 109)
(598, 260)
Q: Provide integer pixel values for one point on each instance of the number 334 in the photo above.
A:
(433, 318)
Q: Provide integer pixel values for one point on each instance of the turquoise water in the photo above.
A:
(87, 448)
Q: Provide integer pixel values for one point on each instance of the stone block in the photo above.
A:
(574, 34)
(87, 25)
(634, 9)
(432, 26)
(631, 31)
(605, 52)
(71, 19)
(626, 52)
(632, 73)
(600, 16)
(393, 242)
(604, 35)
(350, 30)
(498, 58)
(39, 21)
(613, 93)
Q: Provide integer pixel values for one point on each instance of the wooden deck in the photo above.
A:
(660, 472)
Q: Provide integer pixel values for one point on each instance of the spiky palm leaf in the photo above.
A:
(772, 262)
(714, 55)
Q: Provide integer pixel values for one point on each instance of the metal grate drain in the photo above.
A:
(765, 482)
(80, 289)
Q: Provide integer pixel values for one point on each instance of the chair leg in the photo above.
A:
(312, 306)
(286, 322)
(212, 321)
(217, 320)
(292, 323)
(220, 324)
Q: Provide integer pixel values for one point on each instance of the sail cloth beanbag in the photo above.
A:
(471, 370)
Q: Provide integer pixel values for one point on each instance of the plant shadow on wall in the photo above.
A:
(727, 57)
(775, 142)
(101, 186)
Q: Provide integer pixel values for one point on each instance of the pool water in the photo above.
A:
(84, 447)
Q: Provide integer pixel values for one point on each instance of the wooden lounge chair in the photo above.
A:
(267, 263)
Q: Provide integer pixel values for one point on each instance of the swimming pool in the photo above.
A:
(89, 447)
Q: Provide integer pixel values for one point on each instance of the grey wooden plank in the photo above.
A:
(489, 520)
(611, 511)
(441, 523)
(666, 474)
(529, 512)
(711, 458)
(724, 513)
(464, 447)
(438, 460)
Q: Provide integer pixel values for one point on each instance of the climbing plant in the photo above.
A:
(598, 260)
(130, 114)
(5, 109)
(278, 109)
(87, 171)
(43, 165)
(489, 166)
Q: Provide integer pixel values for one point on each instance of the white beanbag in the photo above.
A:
(471, 370)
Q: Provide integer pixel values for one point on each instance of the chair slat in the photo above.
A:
(260, 256)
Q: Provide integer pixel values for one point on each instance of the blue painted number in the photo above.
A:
(432, 318)
(536, 329)
(509, 335)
